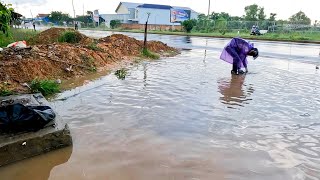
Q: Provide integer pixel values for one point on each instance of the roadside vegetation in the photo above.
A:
(46, 87)
(5, 92)
(149, 54)
(16, 35)
(121, 73)
(297, 28)
(70, 37)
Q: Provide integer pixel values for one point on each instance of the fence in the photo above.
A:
(270, 26)
(152, 27)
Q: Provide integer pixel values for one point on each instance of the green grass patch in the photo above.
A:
(93, 46)
(70, 37)
(121, 73)
(16, 35)
(149, 54)
(5, 92)
(46, 87)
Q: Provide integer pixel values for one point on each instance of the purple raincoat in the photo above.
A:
(236, 52)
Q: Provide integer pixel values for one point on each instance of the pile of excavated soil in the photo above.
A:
(157, 46)
(131, 46)
(52, 35)
(122, 44)
(67, 61)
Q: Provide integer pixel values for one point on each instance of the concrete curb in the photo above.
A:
(19, 146)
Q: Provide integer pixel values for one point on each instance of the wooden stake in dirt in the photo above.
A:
(145, 32)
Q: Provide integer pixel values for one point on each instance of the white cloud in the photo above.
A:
(27, 2)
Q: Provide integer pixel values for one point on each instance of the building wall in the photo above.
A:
(152, 27)
(132, 12)
(122, 10)
(109, 17)
(157, 16)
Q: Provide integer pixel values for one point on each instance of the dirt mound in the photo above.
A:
(129, 46)
(68, 61)
(157, 46)
(124, 45)
(52, 35)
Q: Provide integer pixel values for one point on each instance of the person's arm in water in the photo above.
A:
(245, 65)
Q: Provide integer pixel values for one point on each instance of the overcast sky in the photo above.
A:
(284, 8)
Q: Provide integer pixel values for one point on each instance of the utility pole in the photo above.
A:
(74, 11)
(145, 33)
(208, 15)
(209, 8)
(83, 9)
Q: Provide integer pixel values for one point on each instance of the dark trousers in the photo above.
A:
(236, 58)
(235, 66)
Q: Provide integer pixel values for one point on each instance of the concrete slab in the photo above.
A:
(19, 146)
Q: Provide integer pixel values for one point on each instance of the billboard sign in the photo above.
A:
(96, 15)
(179, 15)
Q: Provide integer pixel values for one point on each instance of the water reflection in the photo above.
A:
(144, 74)
(234, 91)
(205, 52)
(187, 39)
(37, 168)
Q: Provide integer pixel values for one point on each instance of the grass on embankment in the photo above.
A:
(46, 87)
(16, 35)
(149, 54)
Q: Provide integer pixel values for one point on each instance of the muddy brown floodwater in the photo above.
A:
(186, 117)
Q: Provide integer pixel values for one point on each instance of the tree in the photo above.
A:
(215, 16)
(236, 18)
(58, 17)
(202, 17)
(221, 25)
(84, 19)
(272, 17)
(90, 13)
(300, 17)
(251, 12)
(115, 23)
(188, 25)
(254, 13)
(5, 18)
(261, 14)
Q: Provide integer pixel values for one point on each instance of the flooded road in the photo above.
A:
(186, 117)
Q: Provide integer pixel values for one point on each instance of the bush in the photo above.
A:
(148, 54)
(121, 73)
(188, 25)
(115, 23)
(221, 26)
(70, 37)
(46, 87)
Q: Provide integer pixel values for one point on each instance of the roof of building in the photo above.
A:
(154, 6)
(43, 15)
(130, 5)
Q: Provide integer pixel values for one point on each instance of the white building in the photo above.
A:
(137, 13)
